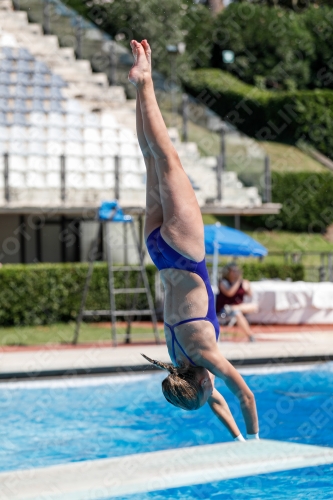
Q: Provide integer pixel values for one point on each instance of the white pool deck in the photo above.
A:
(87, 360)
(134, 474)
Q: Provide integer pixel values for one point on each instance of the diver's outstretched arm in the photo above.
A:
(217, 364)
(220, 408)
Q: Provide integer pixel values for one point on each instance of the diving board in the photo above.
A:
(98, 479)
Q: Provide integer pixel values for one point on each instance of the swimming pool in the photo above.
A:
(46, 423)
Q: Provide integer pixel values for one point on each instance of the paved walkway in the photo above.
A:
(66, 360)
(135, 474)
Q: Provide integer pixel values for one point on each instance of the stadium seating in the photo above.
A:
(53, 105)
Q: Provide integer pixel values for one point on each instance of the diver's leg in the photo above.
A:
(154, 211)
(182, 222)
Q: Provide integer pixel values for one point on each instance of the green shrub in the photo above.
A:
(257, 271)
(267, 115)
(49, 293)
(307, 202)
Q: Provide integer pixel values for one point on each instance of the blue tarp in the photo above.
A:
(231, 242)
(110, 210)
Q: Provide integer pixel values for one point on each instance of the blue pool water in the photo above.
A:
(47, 423)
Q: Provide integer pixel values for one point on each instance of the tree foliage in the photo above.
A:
(161, 22)
(273, 47)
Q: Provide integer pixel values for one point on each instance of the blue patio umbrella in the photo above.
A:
(222, 240)
(230, 241)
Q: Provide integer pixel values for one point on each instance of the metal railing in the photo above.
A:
(318, 266)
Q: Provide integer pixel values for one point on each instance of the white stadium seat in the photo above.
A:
(73, 106)
(18, 133)
(73, 134)
(94, 180)
(36, 133)
(35, 180)
(52, 164)
(73, 148)
(17, 179)
(109, 149)
(108, 121)
(127, 136)
(132, 181)
(92, 120)
(36, 163)
(56, 119)
(93, 164)
(55, 133)
(3, 147)
(55, 148)
(17, 147)
(75, 164)
(91, 135)
(75, 180)
(127, 150)
(73, 120)
(108, 163)
(53, 180)
(4, 133)
(92, 149)
(109, 180)
(18, 163)
(38, 119)
(36, 148)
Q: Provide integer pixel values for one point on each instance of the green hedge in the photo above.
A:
(49, 293)
(285, 116)
(307, 202)
(256, 271)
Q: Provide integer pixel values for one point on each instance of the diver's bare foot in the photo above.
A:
(141, 70)
(147, 49)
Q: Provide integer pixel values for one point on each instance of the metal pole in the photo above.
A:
(237, 221)
(91, 258)
(78, 34)
(173, 85)
(146, 284)
(116, 180)
(185, 117)
(113, 64)
(63, 178)
(330, 266)
(268, 181)
(22, 241)
(111, 284)
(46, 17)
(221, 165)
(6, 176)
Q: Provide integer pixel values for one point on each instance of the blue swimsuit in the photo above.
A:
(165, 257)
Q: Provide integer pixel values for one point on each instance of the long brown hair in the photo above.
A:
(180, 387)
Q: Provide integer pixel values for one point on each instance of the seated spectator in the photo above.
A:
(230, 305)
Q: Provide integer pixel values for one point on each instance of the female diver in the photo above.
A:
(175, 240)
